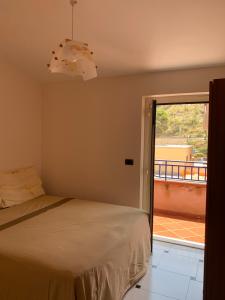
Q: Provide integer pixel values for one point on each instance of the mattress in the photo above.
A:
(69, 249)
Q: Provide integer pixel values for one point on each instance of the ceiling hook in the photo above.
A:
(73, 2)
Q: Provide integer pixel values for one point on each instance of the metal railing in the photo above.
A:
(181, 170)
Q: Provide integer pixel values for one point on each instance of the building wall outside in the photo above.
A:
(179, 198)
(173, 152)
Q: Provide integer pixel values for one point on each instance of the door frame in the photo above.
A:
(147, 136)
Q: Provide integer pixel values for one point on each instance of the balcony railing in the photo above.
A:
(181, 170)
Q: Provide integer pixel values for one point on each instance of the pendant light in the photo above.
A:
(73, 57)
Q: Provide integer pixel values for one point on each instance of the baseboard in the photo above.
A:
(178, 242)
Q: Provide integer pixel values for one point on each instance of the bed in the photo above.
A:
(54, 248)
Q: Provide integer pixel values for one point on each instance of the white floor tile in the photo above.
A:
(195, 291)
(169, 274)
(187, 251)
(166, 283)
(200, 272)
(139, 294)
(156, 256)
(161, 246)
(179, 264)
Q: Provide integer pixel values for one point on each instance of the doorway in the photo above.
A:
(175, 255)
(180, 173)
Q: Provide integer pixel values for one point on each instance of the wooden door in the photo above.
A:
(214, 274)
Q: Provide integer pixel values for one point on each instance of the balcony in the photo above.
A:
(180, 199)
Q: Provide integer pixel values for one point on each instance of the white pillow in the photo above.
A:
(19, 186)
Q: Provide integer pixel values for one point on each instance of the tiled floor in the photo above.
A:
(175, 273)
(179, 229)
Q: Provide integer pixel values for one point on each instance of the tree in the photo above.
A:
(184, 122)
(161, 121)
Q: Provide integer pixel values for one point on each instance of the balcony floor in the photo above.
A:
(179, 229)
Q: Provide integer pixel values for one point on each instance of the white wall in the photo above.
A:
(91, 127)
(20, 119)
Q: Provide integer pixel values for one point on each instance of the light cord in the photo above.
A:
(73, 2)
(72, 20)
(76, 25)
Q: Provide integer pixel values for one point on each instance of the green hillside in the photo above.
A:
(184, 124)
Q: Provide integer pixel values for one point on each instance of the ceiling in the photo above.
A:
(127, 37)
